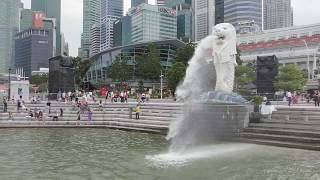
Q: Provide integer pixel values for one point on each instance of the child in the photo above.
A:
(138, 110)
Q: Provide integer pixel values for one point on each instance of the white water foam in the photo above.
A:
(174, 159)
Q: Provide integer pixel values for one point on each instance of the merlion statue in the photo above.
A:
(213, 64)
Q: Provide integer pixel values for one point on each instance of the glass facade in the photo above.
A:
(203, 18)
(111, 11)
(184, 24)
(25, 19)
(91, 15)
(237, 11)
(219, 13)
(153, 23)
(168, 49)
(9, 26)
(135, 3)
(122, 31)
(277, 14)
(52, 9)
(184, 18)
(33, 49)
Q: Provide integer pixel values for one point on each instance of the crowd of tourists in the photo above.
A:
(307, 97)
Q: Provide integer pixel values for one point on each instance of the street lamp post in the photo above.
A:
(161, 84)
(9, 88)
(308, 63)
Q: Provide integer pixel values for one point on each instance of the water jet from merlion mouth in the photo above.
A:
(212, 112)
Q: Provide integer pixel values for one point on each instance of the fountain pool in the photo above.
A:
(31, 154)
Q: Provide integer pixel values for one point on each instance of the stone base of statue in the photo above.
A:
(216, 117)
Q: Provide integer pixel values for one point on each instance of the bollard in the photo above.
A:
(130, 112)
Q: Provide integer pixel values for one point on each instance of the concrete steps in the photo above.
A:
(297, 127)
(155, 117)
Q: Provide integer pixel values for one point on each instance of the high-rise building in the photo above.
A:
(111, 10)
(203, 18)
(25, 19)
(219, 11)
(91, 15)
(9, 26)
(239, 11)
(95, 39)
(277, 14)
(135, 3)
(122, 31)
(153, 23)
(33, 48)
(51, 9)
(160, 2)
(184, 18)
(64, 46)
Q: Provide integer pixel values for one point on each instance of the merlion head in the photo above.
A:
(224, 33)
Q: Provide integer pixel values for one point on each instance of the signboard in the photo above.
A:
(167, 11)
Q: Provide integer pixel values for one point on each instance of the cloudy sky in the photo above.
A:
(304, 13)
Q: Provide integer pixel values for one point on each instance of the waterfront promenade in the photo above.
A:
(297, 126)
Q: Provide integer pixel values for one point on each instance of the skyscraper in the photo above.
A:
(91, 15)
(219, 11)
(111, 10)
(52, 9)
(33, 49)
(9, 26)
(122, 31)
(203, 18)
(184, 18)
(277, 14)
(239, 11)
(135, 3)
(95, 39)
(25, 19)
(152, 23)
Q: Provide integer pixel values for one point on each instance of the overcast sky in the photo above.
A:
(304, 13)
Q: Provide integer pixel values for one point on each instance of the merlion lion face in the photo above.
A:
(224, 32)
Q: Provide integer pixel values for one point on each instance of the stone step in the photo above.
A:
(126, 128)
(286, 126)
(312, 113)
(304, 109)
(285, 138)
(307, 146)
(295, 117)
(96, 116)
(278, 131)
(113, 123)
(291, 121)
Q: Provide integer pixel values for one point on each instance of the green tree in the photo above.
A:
(180, 63)
(245, 75)
(176, 75)
(184, 54)
(39, 79)
(290, 78)
(140, 87)
(148, 65)
(119, 70)
(81, 68)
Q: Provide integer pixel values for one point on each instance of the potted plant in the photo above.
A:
(257, 101)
